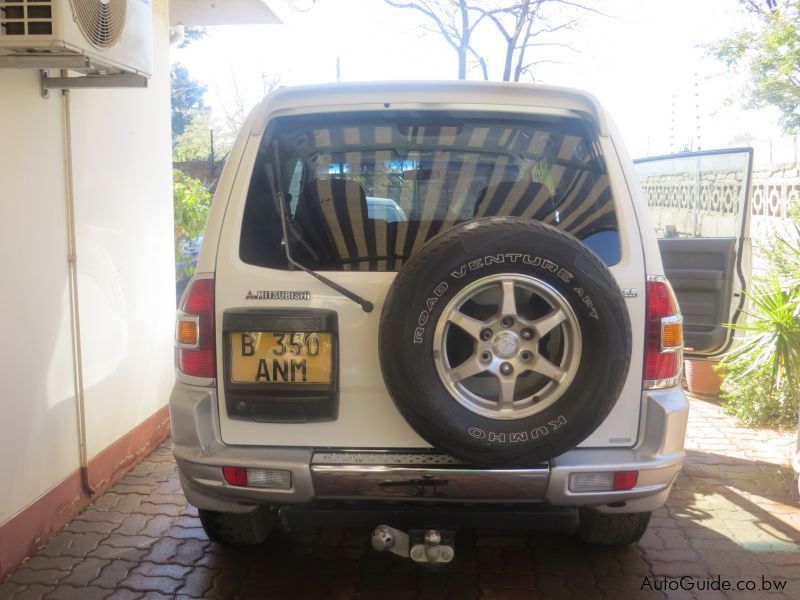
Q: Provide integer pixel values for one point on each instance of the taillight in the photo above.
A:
(663, 356)
(260, 478)
(194, 330)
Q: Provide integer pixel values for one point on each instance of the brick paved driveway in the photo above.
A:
(731, 514)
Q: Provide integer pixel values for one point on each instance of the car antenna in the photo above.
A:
(272, 175)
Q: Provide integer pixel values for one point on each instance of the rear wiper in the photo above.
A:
(273, 177)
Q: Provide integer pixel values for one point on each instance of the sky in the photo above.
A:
(646, 64)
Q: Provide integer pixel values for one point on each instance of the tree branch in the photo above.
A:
(583, 7)
(500, 27)
(481, 62)
(423, 8)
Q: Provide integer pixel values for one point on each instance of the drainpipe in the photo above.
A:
(75, 323)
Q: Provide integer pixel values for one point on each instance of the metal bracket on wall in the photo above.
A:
(117, 80)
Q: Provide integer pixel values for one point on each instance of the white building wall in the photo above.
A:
(123, 207)
(38, 440)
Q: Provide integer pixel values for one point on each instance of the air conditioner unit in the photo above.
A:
(88, 36)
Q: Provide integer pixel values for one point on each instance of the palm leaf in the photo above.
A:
(771, 341)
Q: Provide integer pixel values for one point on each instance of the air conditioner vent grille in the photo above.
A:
(26, 17)
(101, 21)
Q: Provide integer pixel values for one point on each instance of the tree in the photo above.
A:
(195, 143)
(238, 99)
(523, 25)
(768, 50)
(192, 34)
(187, 98)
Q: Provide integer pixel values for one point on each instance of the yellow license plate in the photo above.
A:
(281, 357)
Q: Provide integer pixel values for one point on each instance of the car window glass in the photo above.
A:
(697, 196)
(368, 190)
(294, 185)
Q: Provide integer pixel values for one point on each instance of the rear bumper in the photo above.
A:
(200, 454)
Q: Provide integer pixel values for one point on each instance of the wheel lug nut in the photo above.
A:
(486, 356)
(526, 334)
(506, 368)
(486, 334)
(526, 356)
(507, 321)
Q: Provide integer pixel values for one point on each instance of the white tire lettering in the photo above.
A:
(518, 436)
(476, 433)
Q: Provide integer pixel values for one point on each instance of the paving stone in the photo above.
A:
(103, 527)
(133, 525)
(677, 569)
(107, 516)
(384, 594)
(125, 595)
(584, 588)
(106, 502)
(169, 487)
(502, 541)
(190, 551)
(145, 467)
(129, 541)
(163, 550)
(522, 594)
(516, 560)
(197, 582)
(8, 590)
(184, 533)
(61, 563)
(157, 526)
(86, 571)
(36, 591)
(145, 583)
(137, 489)
(113, 573)
(675, 539)
(152, 569)
(69, 592)
(177, 499)
(148, 508)
(130, 502)
(503, 581)
(148, 480)
(25, 576)
(106, 552)
(225, 585)
(189, 522)
(553, 586)
(490, 559)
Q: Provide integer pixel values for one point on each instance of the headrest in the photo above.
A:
(342, 192)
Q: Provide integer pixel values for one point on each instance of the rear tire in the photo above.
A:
(237, 529)
(603, 529)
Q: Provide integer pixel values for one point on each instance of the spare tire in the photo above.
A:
(504, 341)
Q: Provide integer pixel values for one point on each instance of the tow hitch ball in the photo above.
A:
(430, 546)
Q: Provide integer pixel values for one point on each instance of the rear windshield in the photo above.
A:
(365, 191)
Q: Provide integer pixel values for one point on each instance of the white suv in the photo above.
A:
(431, 305)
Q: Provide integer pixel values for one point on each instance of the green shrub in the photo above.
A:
(761, 384)
(191, 203)
(755, 401)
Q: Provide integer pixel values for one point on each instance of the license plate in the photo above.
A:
(281, 357)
